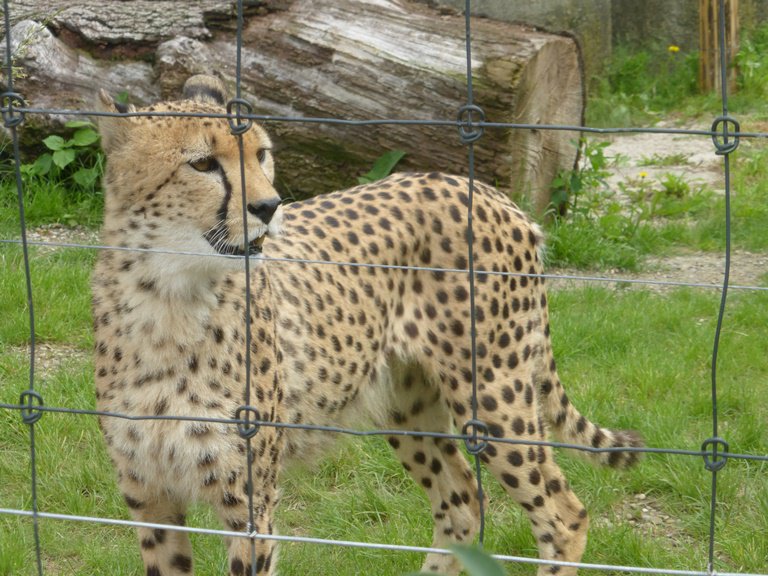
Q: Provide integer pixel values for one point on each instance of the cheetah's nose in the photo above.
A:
(264, 209)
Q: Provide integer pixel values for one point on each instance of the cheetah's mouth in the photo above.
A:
(227, 249)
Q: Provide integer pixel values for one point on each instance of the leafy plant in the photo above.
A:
(76, 160)
(382, 167)
(569, 185)
(637, 85)
(594, 224)
(476, 562)
(656, 159)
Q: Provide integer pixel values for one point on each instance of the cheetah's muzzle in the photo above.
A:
(225, 248)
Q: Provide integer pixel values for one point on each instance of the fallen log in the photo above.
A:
(376, 60)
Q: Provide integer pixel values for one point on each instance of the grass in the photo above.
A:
(629, 358)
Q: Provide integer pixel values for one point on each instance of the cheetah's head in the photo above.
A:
(178, 180)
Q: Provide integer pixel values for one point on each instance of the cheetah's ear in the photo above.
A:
(204, 88)
(113, 129)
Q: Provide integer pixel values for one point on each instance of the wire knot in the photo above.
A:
(713, 461)
(30, 402)
(469, 131)
(479, 428)
(723, 144)
(235, 108)
(11, 116)
(247, 426)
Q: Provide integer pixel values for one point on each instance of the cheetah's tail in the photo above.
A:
(571, 427)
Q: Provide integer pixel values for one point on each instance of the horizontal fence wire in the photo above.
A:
(32, 407)
(39, 408)
(491, 273)
(445, 123)
(365, 545)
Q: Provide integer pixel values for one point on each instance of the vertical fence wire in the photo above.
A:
(29, 398)
(724, 148)
(471, 122)
(468, 135)
(238, 128)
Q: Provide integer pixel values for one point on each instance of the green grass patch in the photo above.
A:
(630, 359)
(60, 295)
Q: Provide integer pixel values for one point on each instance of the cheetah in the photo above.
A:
(359, 315)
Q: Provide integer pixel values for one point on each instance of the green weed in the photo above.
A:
(664, 160)
(382, 167)
(637, 86)
(76, 162)
(596, 225)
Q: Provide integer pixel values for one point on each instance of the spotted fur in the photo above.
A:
(345, 344)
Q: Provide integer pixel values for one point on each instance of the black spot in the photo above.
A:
(230, 499)
(182, 563)
(159, 535)
(510, 480)
(489, 402)
(147, 543)
(496, 430)
(597, 439)
(237, 568)
(411, 329)
(554, 486)
(515, 458)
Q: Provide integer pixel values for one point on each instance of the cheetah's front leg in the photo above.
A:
(164, 552)
(248, 507)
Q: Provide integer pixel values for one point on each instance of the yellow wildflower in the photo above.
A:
(673, 49)
(643, 174)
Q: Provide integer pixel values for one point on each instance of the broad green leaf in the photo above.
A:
(63, 158)
(55, 142)
(79, 124)
(85, 177)
(85, 137)
(476, 562)
(42, 165)
(382, 167)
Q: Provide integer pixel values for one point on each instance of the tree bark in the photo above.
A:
(361, 60)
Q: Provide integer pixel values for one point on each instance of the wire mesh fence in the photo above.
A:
(469, 124)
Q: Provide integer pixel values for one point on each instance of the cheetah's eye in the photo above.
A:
(261, 155)
(207, 164)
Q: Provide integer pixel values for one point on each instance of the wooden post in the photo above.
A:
(710, 68)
